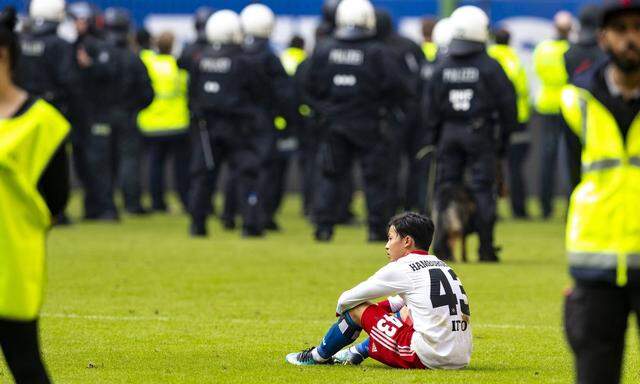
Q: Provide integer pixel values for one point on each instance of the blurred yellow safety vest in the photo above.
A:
(510, 62)
(291, 58)
(430, 50)
(548, 63)
(145, 53)
(603, 226)
(27, 143)
(169, 111)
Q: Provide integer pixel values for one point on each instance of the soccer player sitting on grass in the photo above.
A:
(427, 325)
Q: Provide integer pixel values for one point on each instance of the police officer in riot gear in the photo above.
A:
(46, 61)
(328, 22)
(46, 67)
(98, 92)
(226, 90)
(354, 80)
(191, 53)
(257, 23)
(435, 52)
(467, 89)
(403, 117)
(136, 94)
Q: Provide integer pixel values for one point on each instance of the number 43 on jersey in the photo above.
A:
(440, 283)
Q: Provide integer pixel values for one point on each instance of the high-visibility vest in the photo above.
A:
(510, 62)
(169, 111)
(145, 54)
(291, 58)
(548, 63)
(603, 226)
(27, 143)
(430, 50)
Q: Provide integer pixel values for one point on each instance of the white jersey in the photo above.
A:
(436, 300)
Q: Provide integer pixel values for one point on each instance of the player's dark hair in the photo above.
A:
(419, 227)
(8, 36)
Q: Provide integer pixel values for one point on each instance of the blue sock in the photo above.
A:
(341, 334)
(363, 348)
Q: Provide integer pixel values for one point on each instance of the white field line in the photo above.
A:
(263, 321)
(103, 317)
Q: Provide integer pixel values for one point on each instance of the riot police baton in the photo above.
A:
(431, 177)
(206, 145)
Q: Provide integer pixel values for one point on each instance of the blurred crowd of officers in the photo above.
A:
(449, 112)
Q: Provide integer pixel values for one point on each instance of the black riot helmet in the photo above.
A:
(384, 23)
(117, 19)
(200, 18)
(89, 12)
(82, 10)
(329, 11)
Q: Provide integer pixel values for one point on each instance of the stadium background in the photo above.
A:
(528, 20)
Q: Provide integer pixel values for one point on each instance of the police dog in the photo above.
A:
(454, 218)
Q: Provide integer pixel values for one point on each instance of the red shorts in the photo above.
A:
(390, 339)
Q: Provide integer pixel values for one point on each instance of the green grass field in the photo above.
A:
(141, 302)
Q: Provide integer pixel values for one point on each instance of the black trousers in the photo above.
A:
(335, 158)
(517, 155)
(99, 154)
(274, 190)
(21, 349)
(595, 321)
(417, 182)
(308, 139)
(462, 148)
(230, 140)
(553, 129)
(230, 207)
(160, 149)
(128, 148)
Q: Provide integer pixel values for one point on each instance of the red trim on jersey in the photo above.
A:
(419, 252)
(385, 305)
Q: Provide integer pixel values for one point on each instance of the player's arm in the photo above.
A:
(392, 303)
(389, 280)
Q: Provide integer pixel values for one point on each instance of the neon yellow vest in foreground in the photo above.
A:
(291, 58)
(509, 61)
(169, 111)
(548, 63)
(603, 227)
(430, 50)
(27, 143)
